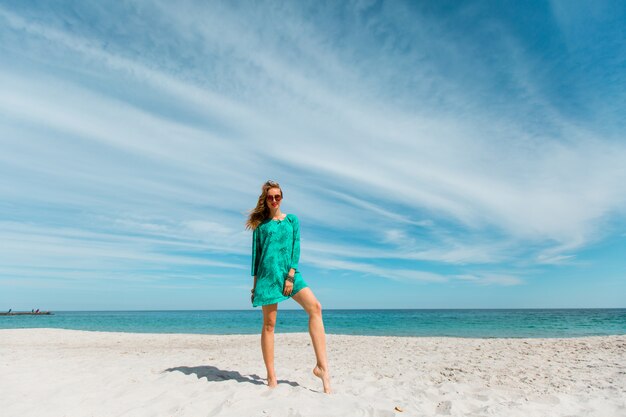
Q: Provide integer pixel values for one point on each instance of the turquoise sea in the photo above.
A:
(458, 323)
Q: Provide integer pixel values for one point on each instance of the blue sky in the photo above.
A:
(438, 154)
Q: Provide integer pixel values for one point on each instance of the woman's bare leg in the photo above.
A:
(267, 342)
(307, 300)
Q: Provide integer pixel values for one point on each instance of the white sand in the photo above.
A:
(53, 372)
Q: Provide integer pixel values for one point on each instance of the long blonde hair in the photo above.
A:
(262, 211)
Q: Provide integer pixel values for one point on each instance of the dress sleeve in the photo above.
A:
(295, 251)
(256, 251)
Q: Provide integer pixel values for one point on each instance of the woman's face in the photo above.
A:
(273, 198)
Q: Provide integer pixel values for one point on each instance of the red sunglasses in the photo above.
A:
(274, 197)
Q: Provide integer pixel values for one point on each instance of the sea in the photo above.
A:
(473, 323)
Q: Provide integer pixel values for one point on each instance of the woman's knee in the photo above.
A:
(269, 317)
(315, 308)
(269, 325)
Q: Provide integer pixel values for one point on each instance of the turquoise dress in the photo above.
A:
(275, 250)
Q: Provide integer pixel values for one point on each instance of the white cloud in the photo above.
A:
(489, 279)
(395, 274)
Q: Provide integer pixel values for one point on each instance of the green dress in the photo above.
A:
(275, 250)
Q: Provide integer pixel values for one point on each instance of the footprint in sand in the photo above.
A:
(444, 407)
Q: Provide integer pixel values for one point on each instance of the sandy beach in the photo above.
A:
(55, 372)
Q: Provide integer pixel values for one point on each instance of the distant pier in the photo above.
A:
(27, 313)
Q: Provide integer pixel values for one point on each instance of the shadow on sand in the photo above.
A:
(211, 373)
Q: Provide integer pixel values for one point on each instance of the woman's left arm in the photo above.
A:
(295, 250)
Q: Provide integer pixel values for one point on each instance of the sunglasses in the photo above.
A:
(274, 197)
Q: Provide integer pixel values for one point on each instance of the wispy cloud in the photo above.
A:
(487, 279)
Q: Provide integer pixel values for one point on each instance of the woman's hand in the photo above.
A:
(288, 288)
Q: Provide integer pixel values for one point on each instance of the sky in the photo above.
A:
(450, 154)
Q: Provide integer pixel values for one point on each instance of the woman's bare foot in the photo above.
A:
(272, 382)
(323, 375)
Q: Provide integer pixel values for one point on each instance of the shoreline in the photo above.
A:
(57, 372)
(327, 333)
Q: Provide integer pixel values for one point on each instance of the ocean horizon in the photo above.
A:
(474, 323)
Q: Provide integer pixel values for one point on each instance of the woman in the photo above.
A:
(275, 256)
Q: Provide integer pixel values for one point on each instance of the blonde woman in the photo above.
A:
(275, 256)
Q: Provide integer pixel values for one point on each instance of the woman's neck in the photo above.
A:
(276, 214)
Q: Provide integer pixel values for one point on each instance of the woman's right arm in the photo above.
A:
(256, 253)
(252, 292)
(256, 256)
